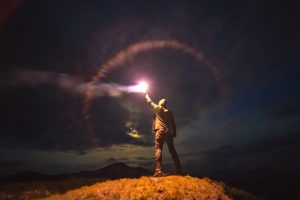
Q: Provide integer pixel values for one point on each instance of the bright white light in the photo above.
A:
(141, 87)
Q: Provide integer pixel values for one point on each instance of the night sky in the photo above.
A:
(236, 106)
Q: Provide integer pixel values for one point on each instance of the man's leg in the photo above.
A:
(173, 152)
(159, 142)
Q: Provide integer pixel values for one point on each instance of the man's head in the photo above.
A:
(163, 103)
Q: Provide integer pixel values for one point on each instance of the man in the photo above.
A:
(165, 129)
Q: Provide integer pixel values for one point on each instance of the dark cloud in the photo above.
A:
(9, 164)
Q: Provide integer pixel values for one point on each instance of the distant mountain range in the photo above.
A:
(113, 171)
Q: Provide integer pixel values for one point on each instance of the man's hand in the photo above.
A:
(146, 96)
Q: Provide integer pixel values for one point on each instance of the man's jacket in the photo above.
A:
(163, 118)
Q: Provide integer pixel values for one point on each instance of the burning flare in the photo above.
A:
(141, 87)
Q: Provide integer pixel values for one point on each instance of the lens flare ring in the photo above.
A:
(132, 51)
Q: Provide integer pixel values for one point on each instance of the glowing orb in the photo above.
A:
(141, 87)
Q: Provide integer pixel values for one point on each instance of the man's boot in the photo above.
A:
(157, 172)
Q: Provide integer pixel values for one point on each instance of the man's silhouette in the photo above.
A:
(165, 129)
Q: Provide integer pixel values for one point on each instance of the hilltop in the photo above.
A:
(115, 181)
(169, 187)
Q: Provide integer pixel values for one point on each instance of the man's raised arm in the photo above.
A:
(151, 103)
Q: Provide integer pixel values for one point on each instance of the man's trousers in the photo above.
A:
(162, 136)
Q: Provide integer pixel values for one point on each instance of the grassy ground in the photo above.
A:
(169, 187)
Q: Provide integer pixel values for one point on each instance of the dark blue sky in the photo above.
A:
(247, 119)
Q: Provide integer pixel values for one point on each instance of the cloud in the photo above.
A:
(33, 78)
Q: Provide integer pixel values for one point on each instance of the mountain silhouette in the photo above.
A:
(113, 171)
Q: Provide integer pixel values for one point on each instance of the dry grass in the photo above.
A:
(170, 187)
